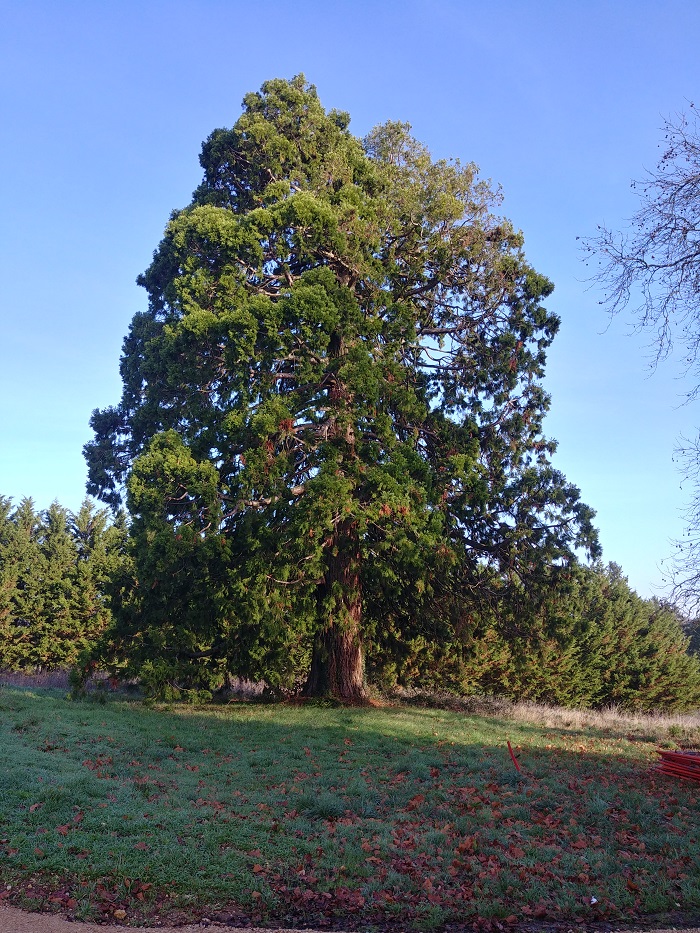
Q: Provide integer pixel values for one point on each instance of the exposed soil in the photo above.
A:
(13, 920)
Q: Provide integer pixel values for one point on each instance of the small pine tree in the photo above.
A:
(54, 569)
(28, 611)
(99, 545)
(8, 568)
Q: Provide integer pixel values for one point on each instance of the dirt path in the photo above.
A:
(13, 920)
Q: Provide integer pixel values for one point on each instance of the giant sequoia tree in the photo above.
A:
(333, 404)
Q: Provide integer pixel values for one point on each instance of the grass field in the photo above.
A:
(312, 814)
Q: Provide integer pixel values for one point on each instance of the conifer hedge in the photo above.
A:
(54, 567)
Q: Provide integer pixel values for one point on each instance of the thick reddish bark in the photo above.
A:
(337, 663)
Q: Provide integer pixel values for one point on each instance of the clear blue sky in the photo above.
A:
(102, 112)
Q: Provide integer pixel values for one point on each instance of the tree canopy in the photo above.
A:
(332, 409)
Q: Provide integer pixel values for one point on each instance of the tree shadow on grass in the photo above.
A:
(310, 814)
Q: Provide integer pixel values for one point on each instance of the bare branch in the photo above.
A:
(655, 266)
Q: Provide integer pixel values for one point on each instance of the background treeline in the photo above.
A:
(579, 637)
(54, 568)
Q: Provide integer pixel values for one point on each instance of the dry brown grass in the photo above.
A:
(56, 678)
(683, 728)
(656, 726)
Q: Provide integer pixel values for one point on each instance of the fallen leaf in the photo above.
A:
(415, 802)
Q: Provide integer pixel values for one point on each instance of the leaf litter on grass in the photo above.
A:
(322, 814)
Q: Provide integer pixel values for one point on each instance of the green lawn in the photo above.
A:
(310, 813)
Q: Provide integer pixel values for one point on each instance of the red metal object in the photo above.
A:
(515, 760)
(684, 764)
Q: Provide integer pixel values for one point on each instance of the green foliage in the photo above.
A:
(333, 400)
(177, 575)
(8, 564)
(54, 568)
(582, 638)
(692, 629)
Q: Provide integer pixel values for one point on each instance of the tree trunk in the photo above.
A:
(337, 664)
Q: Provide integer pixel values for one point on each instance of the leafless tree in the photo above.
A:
(653, 269)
